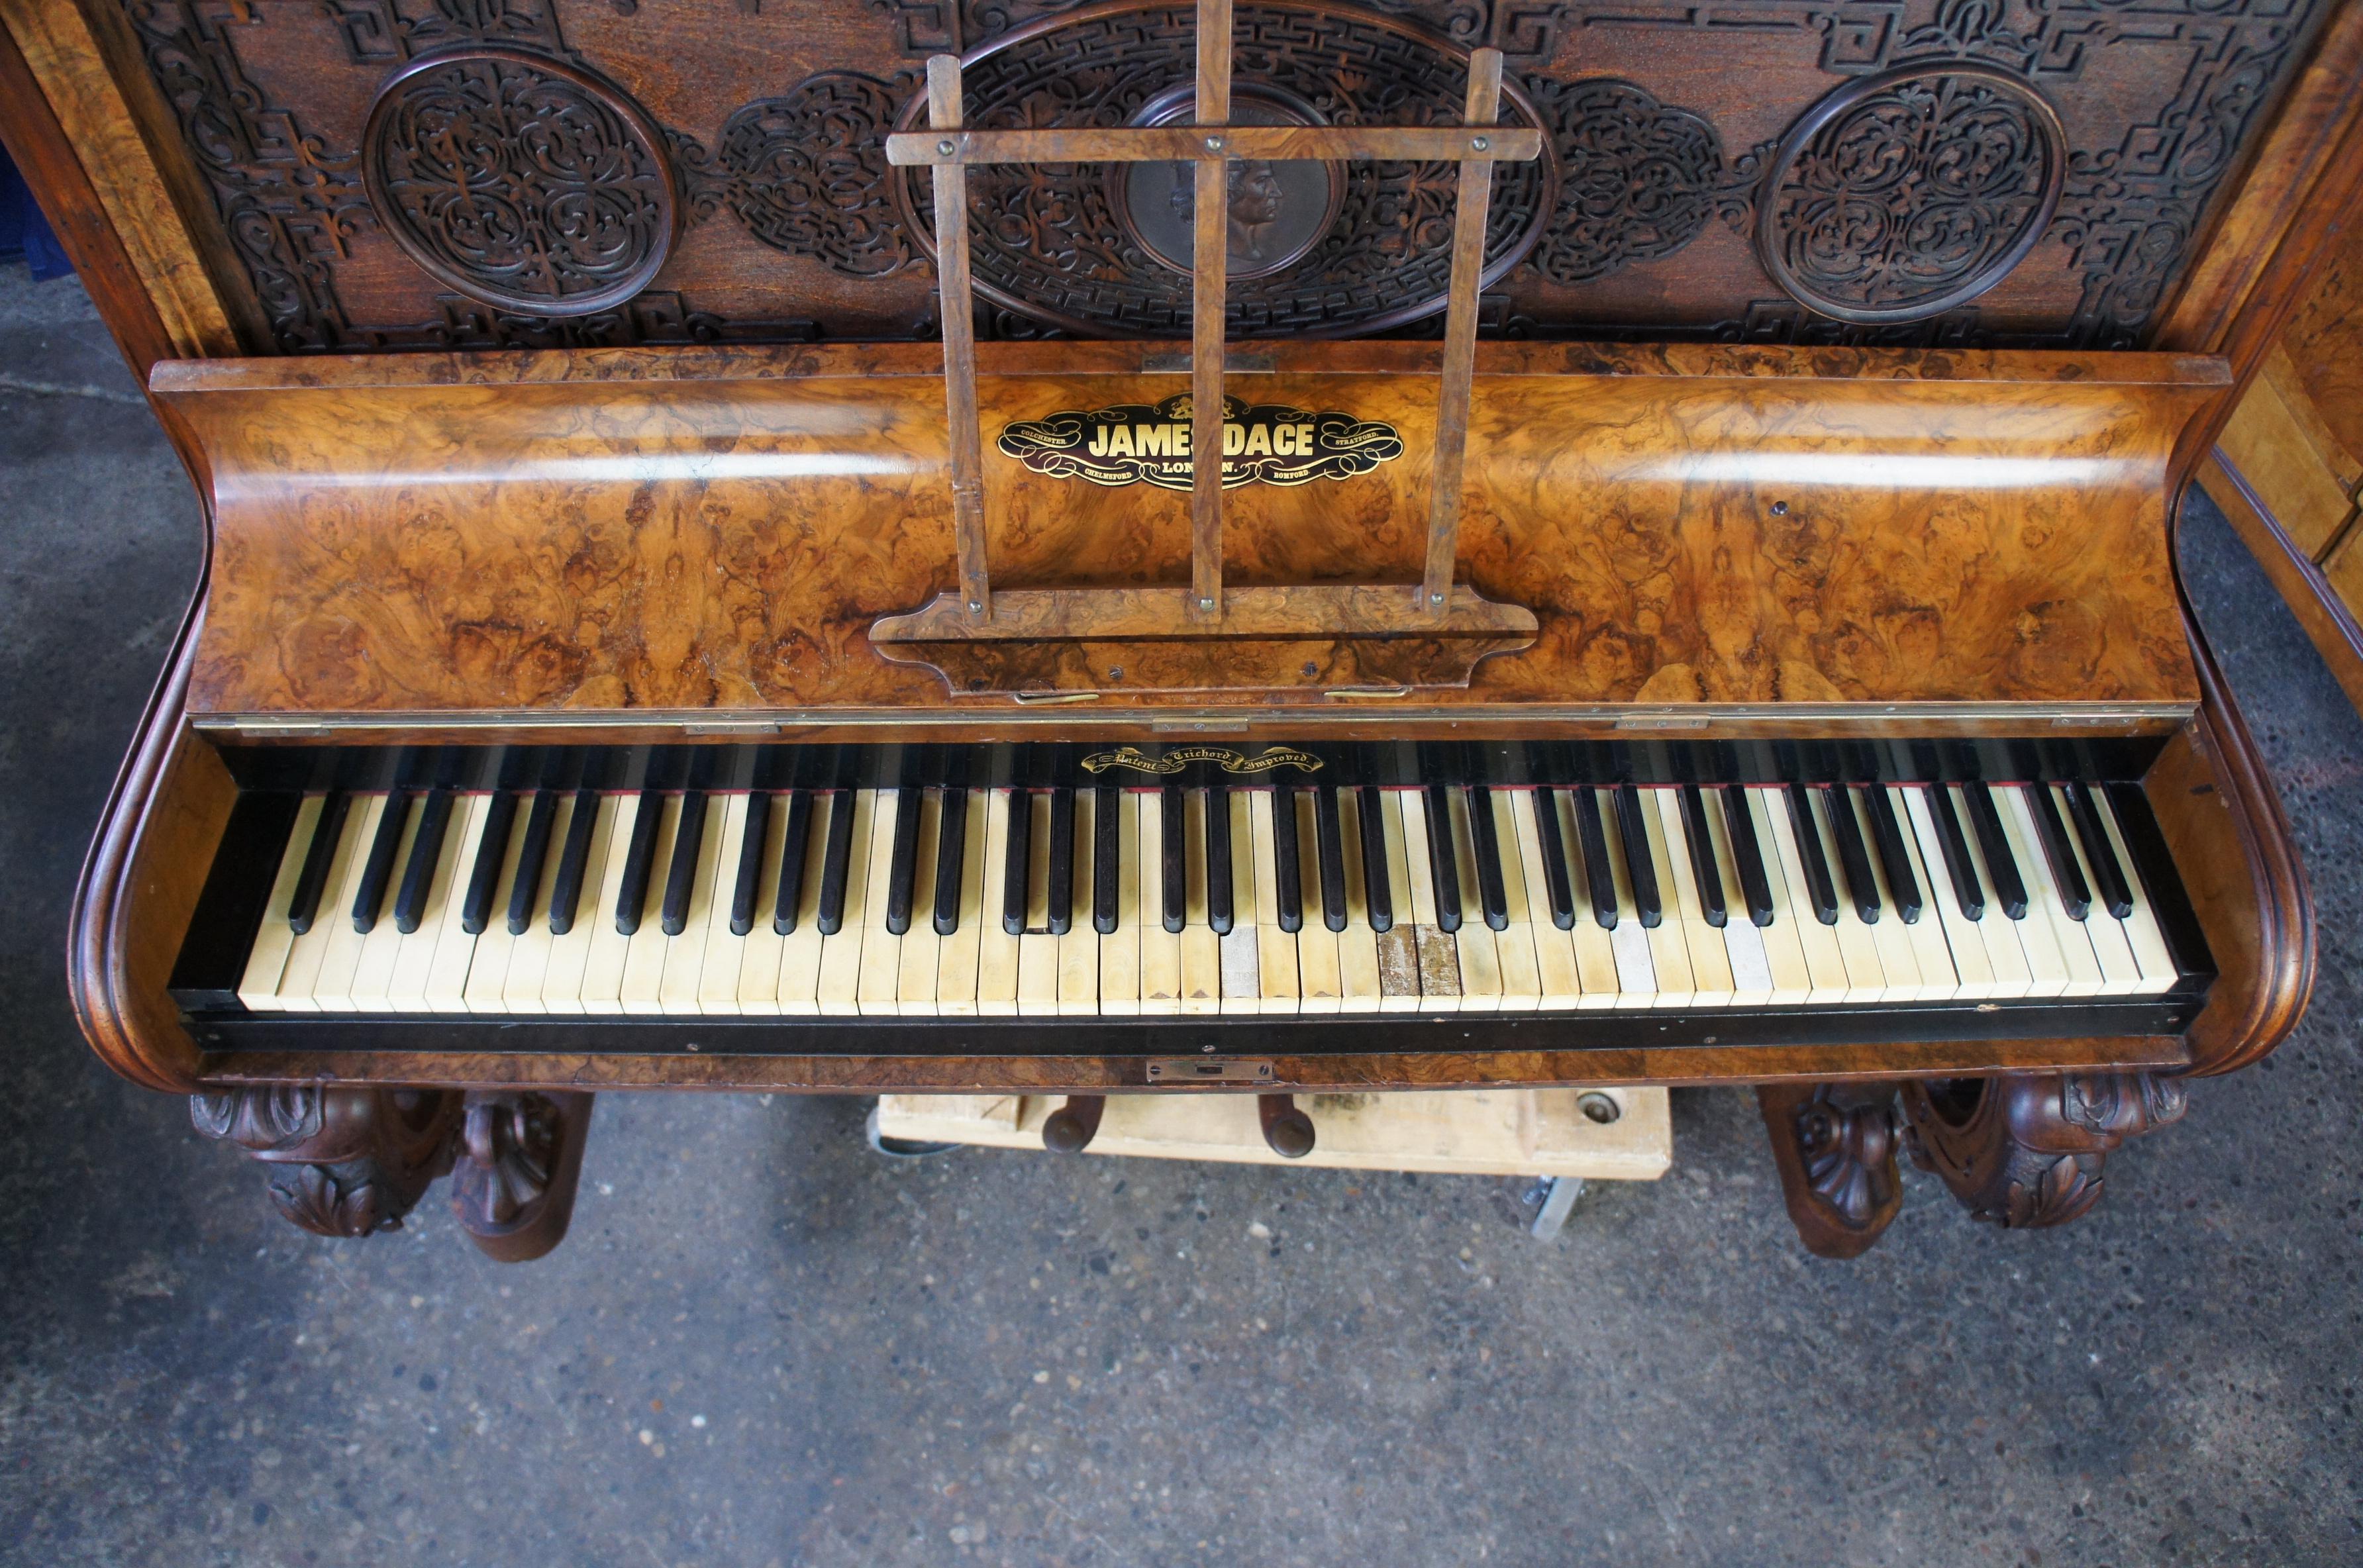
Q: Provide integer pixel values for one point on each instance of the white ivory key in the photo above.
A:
(564, 990)
(957, 958)
(266, 960)
(996, 963)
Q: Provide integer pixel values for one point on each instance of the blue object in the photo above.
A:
(25, 230)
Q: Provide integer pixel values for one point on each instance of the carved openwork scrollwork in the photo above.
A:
(807, 174)
(1638, 180)
(520, 180)
(1906, 194)
(1051, 242)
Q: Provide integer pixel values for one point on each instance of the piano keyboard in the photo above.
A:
(1296, 899)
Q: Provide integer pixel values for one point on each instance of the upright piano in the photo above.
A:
(1255, 547)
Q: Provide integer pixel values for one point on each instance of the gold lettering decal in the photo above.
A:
(1222, 757)
(1152, 444)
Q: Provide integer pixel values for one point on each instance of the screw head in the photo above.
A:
(1435, 598)
(1598, 1107)
(945, 149)
(1213, 144)
(1477, 144)
(975, 605)
(1206, 604)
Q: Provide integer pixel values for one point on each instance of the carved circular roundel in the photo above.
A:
(1902, 195)
(520, 180)
(1330, 249)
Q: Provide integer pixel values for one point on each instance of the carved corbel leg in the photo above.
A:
(2027, 1149)
(1834, 1146)
(520, 1159)
(343, 1162)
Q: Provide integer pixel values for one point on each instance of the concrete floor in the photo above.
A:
(764, 1344)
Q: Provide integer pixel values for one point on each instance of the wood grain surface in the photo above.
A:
(1049, 1075)
(636, 531)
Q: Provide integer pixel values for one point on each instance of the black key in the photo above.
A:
(904, 869)
(1955, 848)
(1888, 833)
(1063, 861)
(1747, 855)
(1218, 859)
(369, 899)
(681, 873)
(1485, 841)
(1640, 868)
(1854, 857)
(573, 858)
(836, 863)
(1018, 863)
(1107, 848)
(1443, 867)
(1704, 870)
(749, 882)
(312, 880)
(1818, 888)
(951, 856)
(2064, 874)
(1378, 893)
(1288, 869)
(640, 857)
(484, 877)
(1556, 885)
(2108, 877)
(425, 849)
(790, 897)
(539, 823)
(1173, 850)
(1599, 876)
(2008, 887)
(1329, 850)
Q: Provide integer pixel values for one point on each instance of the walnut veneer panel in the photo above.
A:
(2323, 341)
(645, 532)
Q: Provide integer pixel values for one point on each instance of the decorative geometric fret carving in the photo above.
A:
(1904, 194)
(520, 180)
(1049, 241)
(270, 99)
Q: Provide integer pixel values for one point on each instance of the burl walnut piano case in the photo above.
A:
(1244, 546)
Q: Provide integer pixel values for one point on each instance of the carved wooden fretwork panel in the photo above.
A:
(2032, 172)
(1901, 196)
(520, 181)
(1050, 241)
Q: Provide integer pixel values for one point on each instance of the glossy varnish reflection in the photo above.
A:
(633, 531)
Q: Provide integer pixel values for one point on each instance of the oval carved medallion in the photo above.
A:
(1902, 195)
(1361, 247)
(520, 180)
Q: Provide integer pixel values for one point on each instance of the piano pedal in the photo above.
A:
(1287, 1129)
(1070, 1129)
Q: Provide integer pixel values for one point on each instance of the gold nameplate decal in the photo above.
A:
(1222, 757)
(1266, 443)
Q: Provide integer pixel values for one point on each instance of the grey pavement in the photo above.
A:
(763, 1344)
